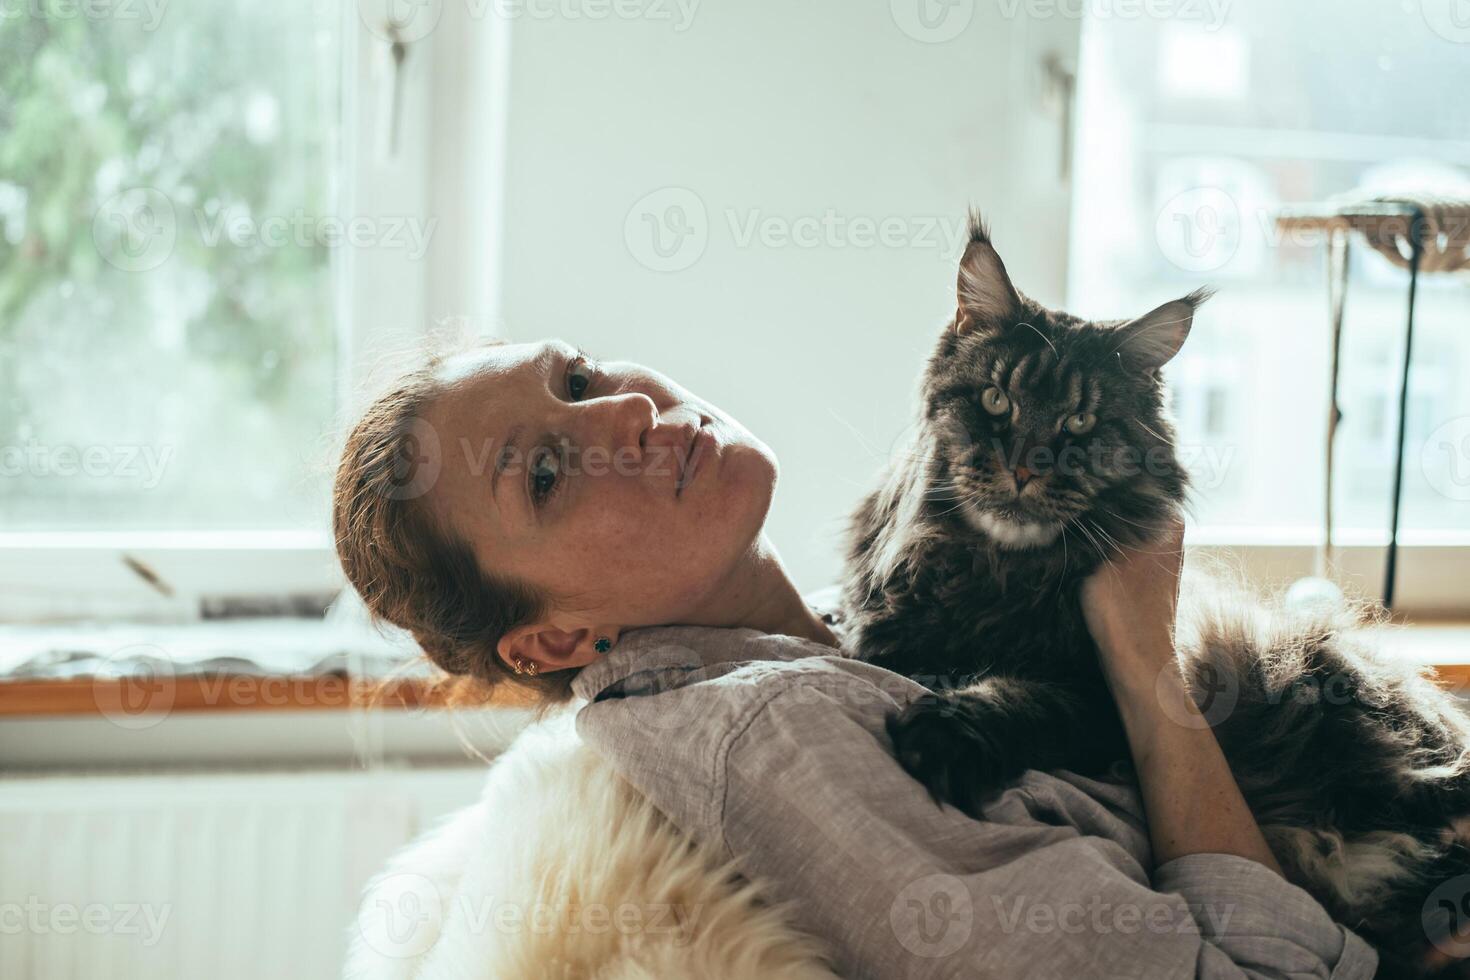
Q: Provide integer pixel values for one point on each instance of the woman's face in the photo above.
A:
(600, 481)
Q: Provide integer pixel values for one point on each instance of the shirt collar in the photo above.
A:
(646, 658)
(656, 649)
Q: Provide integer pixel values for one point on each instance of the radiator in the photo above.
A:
(214, 876)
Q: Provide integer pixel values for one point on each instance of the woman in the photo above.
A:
(528, 513)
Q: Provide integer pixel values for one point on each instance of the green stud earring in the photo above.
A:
(602, 645)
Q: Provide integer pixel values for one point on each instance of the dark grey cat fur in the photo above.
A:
(1354, 765)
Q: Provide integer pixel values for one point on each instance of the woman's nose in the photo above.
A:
(630, 419)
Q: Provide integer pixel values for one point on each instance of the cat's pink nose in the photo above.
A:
(1023, 476)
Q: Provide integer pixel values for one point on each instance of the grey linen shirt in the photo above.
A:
(774, 749)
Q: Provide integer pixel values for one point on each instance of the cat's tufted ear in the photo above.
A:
(1153, 339)
(987, 300)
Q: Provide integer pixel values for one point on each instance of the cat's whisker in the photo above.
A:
(1105, 535)
(1150, 430)
(1043, 336)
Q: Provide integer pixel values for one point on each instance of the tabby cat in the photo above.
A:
(1041, 449)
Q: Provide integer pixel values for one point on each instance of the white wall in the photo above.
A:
(778, 111)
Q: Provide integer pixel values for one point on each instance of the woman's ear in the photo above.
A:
(552, 648)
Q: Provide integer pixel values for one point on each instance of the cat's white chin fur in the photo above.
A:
(1013, 535)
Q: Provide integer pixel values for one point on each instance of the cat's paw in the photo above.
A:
(938, 741)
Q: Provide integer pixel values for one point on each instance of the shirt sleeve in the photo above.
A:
(815, 804)
(789, 768)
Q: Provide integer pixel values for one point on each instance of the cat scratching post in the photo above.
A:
(1421, 233)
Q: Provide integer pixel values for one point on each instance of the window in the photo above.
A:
(216, 221)
(167, 219)
(1191, 134)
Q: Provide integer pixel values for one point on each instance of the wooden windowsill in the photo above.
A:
(127, 697)
(1443, 646)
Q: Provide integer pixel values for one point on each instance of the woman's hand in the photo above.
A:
(1129, 604)
(1189, 794)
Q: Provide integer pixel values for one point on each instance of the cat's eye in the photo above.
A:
(579, 378)
(1080, 424)
(994, 401)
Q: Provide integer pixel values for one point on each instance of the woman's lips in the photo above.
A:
(699, 447)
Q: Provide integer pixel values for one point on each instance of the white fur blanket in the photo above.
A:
(562, 870)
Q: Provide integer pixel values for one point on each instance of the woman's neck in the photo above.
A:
(759, 594)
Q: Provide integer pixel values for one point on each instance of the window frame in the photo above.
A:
(450, 165)
(447, 163)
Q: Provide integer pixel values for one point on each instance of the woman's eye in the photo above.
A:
(994, 401)
(1080, 424)
(544, 472)
(579, 378)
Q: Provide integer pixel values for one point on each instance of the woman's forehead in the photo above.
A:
(499, 360)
